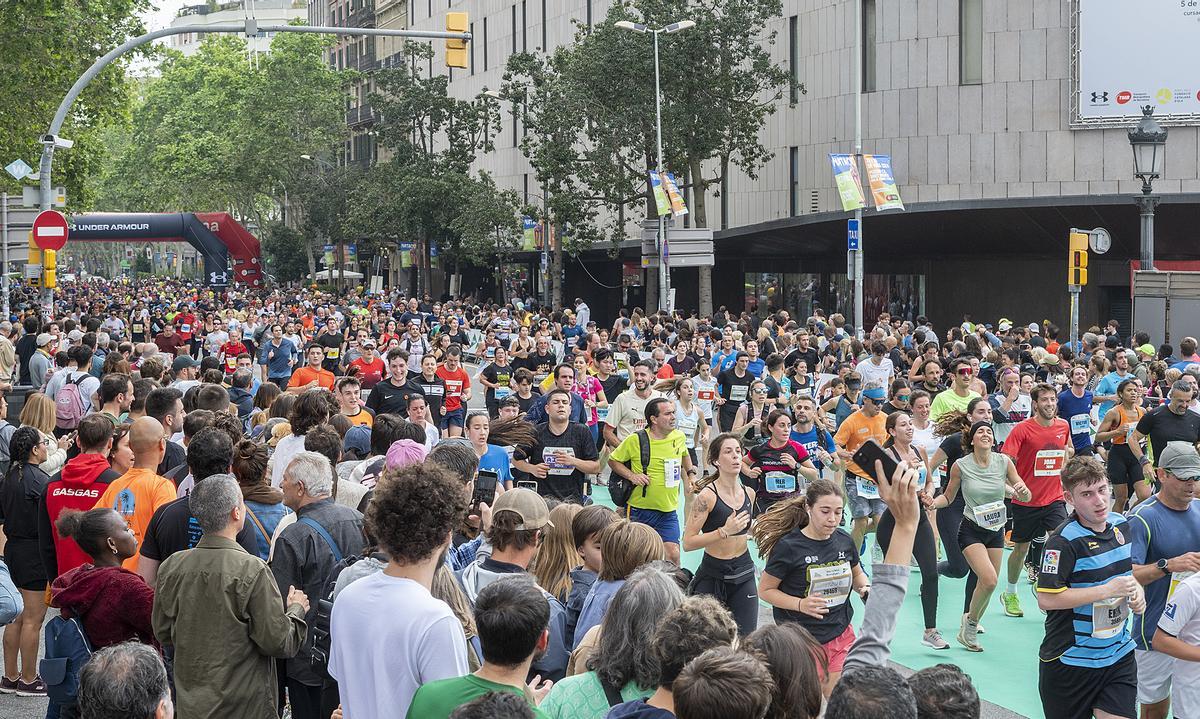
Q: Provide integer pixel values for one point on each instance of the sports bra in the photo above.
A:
(720, 512)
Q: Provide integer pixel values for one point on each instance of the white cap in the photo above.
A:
(1035, 328)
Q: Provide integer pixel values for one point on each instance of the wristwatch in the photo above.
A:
(1162, 566)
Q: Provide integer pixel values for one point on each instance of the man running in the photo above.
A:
(960, 392)
(862, 494)
(1039, 447)
(1075, 405)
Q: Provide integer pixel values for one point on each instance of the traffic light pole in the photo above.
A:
(1075, 291)
(51, 141)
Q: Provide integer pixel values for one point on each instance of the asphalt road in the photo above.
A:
(14, 707)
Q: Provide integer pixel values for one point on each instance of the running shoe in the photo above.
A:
(1011, 604)
(1031, 571)
(978, 627)
(967, 635)
(933, 639)
(7, 686)
(36, 688)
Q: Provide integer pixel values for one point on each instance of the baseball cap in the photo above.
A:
(44, 339)
(358, 439)
(1035, 328)
(1147, 349)
(368, 342)
(75, 335)
(1004, 324)
(509, 401)
(183, 362)
(1180, 459)
(528, 505)
(875, 393)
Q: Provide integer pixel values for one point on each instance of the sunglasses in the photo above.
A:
(1183, 479)
(966, 370)
(903, 397)
(760, 391)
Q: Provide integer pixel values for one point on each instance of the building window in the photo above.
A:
(545, 24)
(485, 45)
(526, 188)
(589, 15)
(794, 181)
(524, 28)
(794, 59)
(868, 46)
(514, 29)
(471, 27)
(970, 42)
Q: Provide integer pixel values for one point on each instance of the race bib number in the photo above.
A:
(990, 516)
(1049, 462)
(1081, 424)
(1108, 617)
(554, 466)
(602, 413)
(231, 362)
(639, 424)
(866, 488)
(1176, 579)
(672, 472)
(332, 353)
(453, 388)
(706, 395)
(138, 329)
(184, 328)
(502, 392)
(779, 482)
(830, 583)
(738, 392)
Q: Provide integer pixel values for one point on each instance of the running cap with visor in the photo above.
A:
(1180, 459)
(528, 505)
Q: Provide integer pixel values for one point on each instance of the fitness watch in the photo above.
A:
(1162, 566)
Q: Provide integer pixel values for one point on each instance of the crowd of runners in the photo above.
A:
(284, 501)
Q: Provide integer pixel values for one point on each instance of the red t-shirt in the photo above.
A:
(665, 372)
(456, 382)
(185, 325)
(168, 345)
(1040, 454)
(231, 351)
(369, 373)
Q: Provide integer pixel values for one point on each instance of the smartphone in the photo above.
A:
(869, 452)
(485, 488)
(528, 485)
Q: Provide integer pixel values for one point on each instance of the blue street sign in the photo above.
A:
(852, 234)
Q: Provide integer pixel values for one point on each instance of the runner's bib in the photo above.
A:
(502, 392)
(1176, 579)
(779, 482)
(601, 413)
(453, 388)
(739, 392)
(990, 516)
(672, 472)
(332, 353)
(866, 488)
(553, 465)
(1049, 462)
(1081, 424)
(830, 583)
(706, 395)
(1108, 617)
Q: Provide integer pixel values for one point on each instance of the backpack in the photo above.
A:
(67, 650)
(319, 631)
(621, 489)
(68, 404)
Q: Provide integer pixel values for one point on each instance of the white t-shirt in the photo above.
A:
(390, 636)
(287, 448)
(1181, 619)
(872, 375)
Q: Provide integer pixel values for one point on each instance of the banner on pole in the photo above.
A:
(662, 202)
(529, 236)
(849, 185)
(884, 193)
(678, 206)
(406, 255)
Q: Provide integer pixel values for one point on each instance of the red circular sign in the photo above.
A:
(1123, 97)
(50, 230)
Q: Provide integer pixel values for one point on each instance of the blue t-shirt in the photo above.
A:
(1078, 413)
(277, 358)
(756, 367)
(496, 460)
(1108, 386)
(570, 333)
(810, 441)
(1159, 532)
(722, 361)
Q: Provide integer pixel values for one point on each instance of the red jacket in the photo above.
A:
(113, 603)
(83, 480)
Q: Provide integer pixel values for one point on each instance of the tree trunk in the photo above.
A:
(556, 269)
(699, 208)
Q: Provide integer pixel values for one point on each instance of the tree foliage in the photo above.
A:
(283, 251)
(45, 45)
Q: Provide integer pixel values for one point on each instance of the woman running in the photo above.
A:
(812, 566)
(752, 413)
(777, 465)
(899, 444)
(492, 457)
(592, 393)
(983, 476)
(1124, 470)
(717, 522)
(924, 435)
(951, 426)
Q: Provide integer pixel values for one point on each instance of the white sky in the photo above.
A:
(163, 11)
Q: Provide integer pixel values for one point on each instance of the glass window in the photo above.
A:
(868, 46)
(794, 181)
(970, 42)
(794, 60)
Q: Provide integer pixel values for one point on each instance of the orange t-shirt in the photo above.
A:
(856, 430)
(363, 418)
(304, 375)
(135, 496)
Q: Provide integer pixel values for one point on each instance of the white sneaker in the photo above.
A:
(933, 640)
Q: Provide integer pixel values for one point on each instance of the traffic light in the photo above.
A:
(49, 269)
(34, 261)
(456, 50)
(1077, 259)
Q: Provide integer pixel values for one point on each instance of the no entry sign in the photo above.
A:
(50, 230)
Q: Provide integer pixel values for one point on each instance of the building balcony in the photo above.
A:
(361, 115)
(363, 16)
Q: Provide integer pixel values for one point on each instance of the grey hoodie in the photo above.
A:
(477, 575)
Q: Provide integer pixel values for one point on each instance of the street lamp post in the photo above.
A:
(1149, 142)
(664, 272)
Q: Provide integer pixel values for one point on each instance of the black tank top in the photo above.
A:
(720, 512)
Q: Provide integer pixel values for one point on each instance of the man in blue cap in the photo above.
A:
(862, 494)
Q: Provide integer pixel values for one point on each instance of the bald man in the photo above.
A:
(140, 491)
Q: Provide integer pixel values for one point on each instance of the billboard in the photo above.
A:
(1134, 53)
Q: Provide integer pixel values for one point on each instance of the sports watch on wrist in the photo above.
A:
(1162, 566)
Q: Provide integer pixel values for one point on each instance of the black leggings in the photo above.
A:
(925, 552)
(955, 564)
(731, 581)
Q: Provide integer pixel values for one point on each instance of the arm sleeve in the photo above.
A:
(1145, 424)
(276, 632)
(616, 406)
(1139, 539)
(1179, 610)
(443, 654)
(587, 446)
(373, 398)
(285, 560)
(782, 561)
(889, 583)
(1058, 562)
